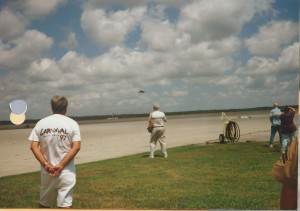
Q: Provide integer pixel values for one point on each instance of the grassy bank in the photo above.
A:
(220, 176)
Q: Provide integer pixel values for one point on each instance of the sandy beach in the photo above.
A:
(116, 138)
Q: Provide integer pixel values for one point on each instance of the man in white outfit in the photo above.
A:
(55, 140)
(157, 118)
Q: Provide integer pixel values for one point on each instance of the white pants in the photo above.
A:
(158, 135)
(57, 191)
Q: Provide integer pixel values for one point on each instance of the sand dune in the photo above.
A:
(110, 139)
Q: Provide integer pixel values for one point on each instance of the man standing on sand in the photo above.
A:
(157, 118)
(55, 140)
(275, 124)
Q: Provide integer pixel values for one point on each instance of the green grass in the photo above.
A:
(220, 176)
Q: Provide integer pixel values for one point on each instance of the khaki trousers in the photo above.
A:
(158, 135)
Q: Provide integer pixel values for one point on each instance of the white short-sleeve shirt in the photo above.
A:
(157, 118)
(56, 133)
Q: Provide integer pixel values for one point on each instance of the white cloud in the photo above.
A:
(171, 57)
(21, 51)
(158, 35)
(287, 62)
(200, 62)
(71, 42)
(11, 24)
(109, 29)
(45, 70)
(34, 9)
(257, 66)
(132, 3)
(228, 80)
(74, 62)
(216, 20)
(212, 50)
(128, 102)
(16, 15)
(180, 93)
(261, 72)
(257, 83)
(124, 64)
(272, 37)
(115, 64)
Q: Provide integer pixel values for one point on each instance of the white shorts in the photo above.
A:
(57, 191)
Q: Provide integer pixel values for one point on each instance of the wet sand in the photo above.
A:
(105, 139)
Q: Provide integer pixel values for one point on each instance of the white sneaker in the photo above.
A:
(166, 156)
(271, 145)
(151, 156)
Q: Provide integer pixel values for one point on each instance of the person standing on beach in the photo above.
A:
(55, 141)
(275, 124)
(288, 128)
(157, 118)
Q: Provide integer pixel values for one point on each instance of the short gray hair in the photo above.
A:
(155, 106)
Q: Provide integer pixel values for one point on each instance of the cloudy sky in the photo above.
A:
(186, 55)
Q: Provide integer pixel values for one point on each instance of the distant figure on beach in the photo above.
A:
(288, 127)
(275, 124)
(55, 140)
(157, 118)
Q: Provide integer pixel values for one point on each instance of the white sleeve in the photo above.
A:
(33, 135)
(76, 133)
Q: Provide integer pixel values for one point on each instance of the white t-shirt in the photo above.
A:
(56, 134)
(157, 118)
